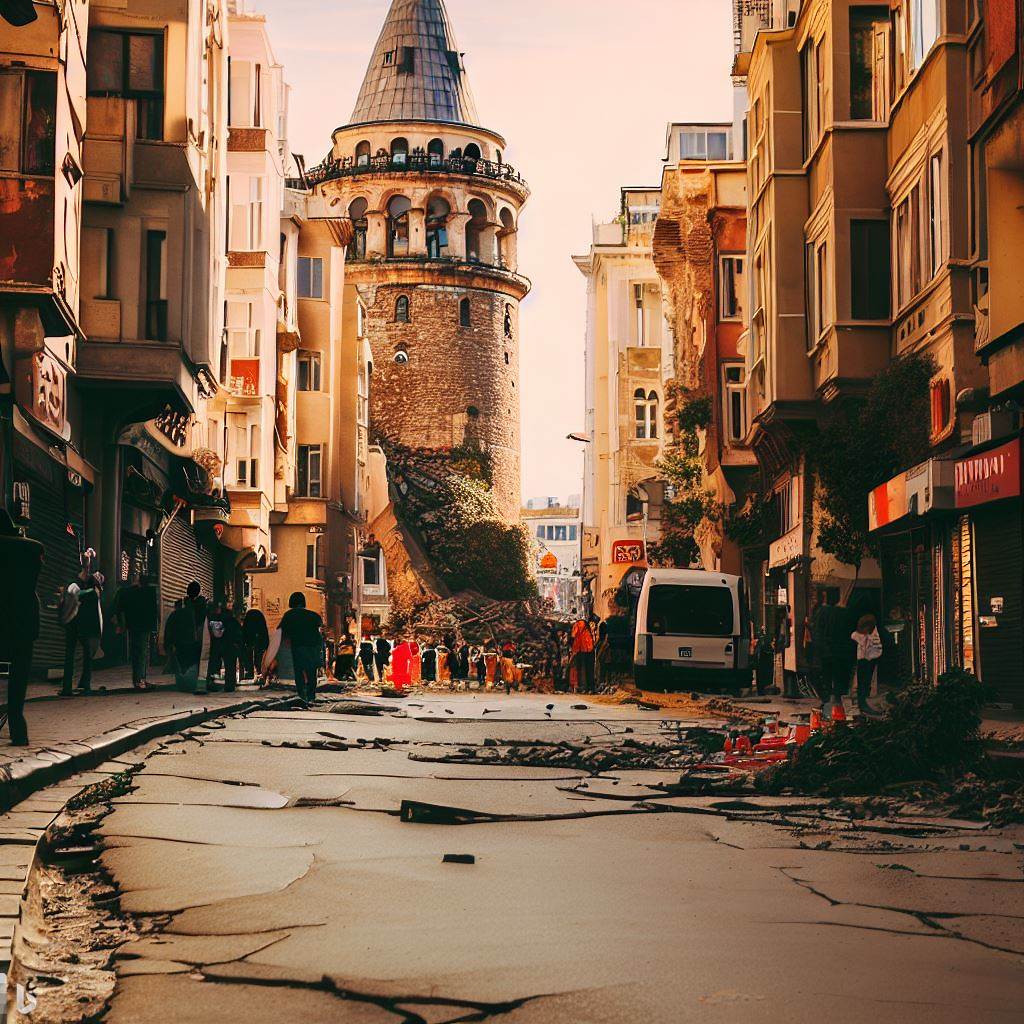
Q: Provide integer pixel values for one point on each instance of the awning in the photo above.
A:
(926, 488)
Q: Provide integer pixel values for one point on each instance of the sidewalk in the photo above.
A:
(72, 734)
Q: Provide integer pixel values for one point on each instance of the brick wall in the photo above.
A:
(452, 370)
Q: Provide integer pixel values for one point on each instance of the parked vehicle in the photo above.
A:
(692, 632)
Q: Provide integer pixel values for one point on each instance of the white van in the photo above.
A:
(692, 631)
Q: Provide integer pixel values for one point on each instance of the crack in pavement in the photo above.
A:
(928, 918)
(478, 1010)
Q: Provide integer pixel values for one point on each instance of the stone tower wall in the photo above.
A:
(452, 370)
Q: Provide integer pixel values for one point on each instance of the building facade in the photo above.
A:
(629, 362)
(435, 209)
(557, 534)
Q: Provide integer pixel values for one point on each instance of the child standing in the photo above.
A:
(869, 651)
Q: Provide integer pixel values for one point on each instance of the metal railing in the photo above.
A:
(411, 163)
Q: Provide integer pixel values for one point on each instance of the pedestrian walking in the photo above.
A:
(462, 663)
(429, 665)
(226, 639)
(255, 641)
(869, 653)
(366, 657)
(345, 660)
(81, 615)
(480, 664)
(381, 656)
(138, 616)
(303, 629)
(20, 562)
(583, 655)
(824, 626)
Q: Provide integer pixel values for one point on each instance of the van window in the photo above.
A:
(681, 610)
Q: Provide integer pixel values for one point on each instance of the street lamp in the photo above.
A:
(582, 439)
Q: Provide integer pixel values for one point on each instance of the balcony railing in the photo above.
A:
(411, 163)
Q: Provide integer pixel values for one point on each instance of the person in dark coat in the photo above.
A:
(255, 641)
(137, 615)
(303, 629)
(345, 659)
(366, 656)
(225, 646)
(462, 662)
(428, 670)
(20, 562)
(381, 656)
(82, 618)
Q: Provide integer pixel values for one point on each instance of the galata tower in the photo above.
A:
(435, 210)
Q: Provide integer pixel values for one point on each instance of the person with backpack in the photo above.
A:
(869, 653)
(81, 615)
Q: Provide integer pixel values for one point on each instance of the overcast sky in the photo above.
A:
(582, 90)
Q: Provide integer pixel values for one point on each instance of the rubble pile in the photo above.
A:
(694, 704)
(443, 498)
(926, 749)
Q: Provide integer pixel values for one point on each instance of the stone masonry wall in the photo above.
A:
(460, 385)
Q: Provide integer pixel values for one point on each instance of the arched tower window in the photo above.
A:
(398, 226)
(508, 321)
(465, 313)
(357, 214)
(646, 410)
(400, 152)
(471, 155)
(363, 154)
(435, 152)
(506, 239)
(474, 230)
(438, 211)
(402, 309)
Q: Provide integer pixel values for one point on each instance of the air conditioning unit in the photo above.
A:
(997, 423)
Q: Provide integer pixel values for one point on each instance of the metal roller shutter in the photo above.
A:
(999, 549)
(181, 563)
(61, 564)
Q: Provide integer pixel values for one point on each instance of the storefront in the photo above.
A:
(990, 560)
(911, 517)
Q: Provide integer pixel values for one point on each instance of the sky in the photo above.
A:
(582, 90)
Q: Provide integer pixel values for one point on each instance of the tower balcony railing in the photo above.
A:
(412, 163)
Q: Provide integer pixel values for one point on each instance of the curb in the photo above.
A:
(21, 778)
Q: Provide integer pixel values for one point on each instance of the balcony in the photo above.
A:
(415, 163)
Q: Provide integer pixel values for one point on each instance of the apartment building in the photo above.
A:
(556, 531)
(700, 253)
(629, 361)
(45, 475)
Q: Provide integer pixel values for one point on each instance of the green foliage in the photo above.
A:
(694, 413)
(863, 445)
(755, 522)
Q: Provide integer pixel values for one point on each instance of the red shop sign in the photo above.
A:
(628, 552)
(990, 476)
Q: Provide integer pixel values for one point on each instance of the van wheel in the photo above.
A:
(644, 678)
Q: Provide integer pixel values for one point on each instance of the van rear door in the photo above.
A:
(692, 625)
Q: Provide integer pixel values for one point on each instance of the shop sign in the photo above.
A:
(990, 476)
(245, 377)
(887, 502)
(787, 548)
(49, 394)
(920, 490)
(628, 552)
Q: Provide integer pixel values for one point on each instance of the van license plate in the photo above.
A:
(685, 652)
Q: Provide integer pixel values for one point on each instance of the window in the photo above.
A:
(402, 309)
(684, 610)
(573, 533)
(245, 227)
(869, 63)
(703, 145)
(243, 337)
(646, 413)
(731, 286)
(245, 94)
(471, 154)
(819, 307)
(916, 26)
(130, 65)
(363, 154)
(869, 269)
(634, 507)
(786, 496)
(98, 262)
(561, 533)
(940, 405)
(310, 457)
(313, 556)
(398, 226)
(156, 285)
(540, 532)
(389, 58)
(508, 325)
(357, 214)
(465, 313)
(734, 398)
(438, 211)
(399, 152)
(408, 65)
(908, 247)
(815, 94)
(308, 377)
(474, 231)
(935, 215)
(435, 152)
(28, 121)
(245, 452)
(310, 277)
(371, 570)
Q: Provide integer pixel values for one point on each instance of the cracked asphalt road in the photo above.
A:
(274, 879)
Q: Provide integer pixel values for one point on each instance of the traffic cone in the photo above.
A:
(838, 713)
(728, 745)
(815, 720)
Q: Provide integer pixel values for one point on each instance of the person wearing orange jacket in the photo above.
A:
(582, 638)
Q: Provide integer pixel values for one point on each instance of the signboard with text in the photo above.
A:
(989, 476)
(628, 552)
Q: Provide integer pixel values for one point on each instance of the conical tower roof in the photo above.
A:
(416, 71)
